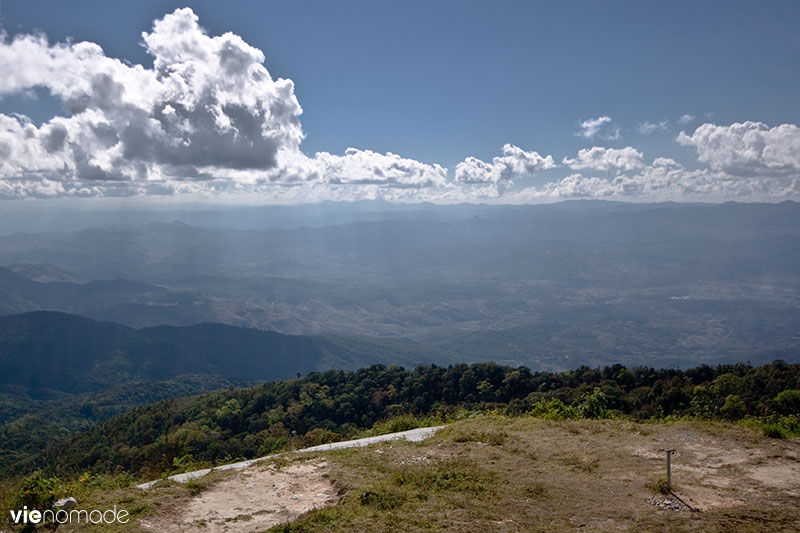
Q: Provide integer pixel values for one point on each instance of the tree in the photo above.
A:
(702, 402)
(733, 408)
(594, 404)
(789, 402)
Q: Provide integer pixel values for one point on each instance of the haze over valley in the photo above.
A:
(550, 287)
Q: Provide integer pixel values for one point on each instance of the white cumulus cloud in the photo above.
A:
(513, 164)
(646, 128)
(209, 120)
(208, 115)
(661, 184)
(607, 159)
(207, 107)
(365, 167)
(747, 148)
(600, 127)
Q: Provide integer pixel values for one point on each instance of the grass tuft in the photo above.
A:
(536, 490)
(658, 485)
(450, 475)
(382, 498)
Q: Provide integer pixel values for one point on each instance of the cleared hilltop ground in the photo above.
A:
(494, 473)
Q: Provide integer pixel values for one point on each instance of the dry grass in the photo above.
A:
(493, 473)
(546, 476)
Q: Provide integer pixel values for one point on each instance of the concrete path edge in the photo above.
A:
(412, 435)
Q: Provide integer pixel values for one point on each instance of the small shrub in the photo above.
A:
(194, 487)
(594, 405)
(312, 521)
(319, 436)
(659, 485)
(382, 499)
(775, 427)
(553, 409)
(774, 431)
(496, 438)
(185, 463)
(401, 423)
(37, 492)
(791, 423)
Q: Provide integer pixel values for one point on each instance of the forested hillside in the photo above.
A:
(71, 354)
(61, 373)
(74, 354)
(332, 405)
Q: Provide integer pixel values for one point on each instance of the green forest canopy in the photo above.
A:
(325, 406)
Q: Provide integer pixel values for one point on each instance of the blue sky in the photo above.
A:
(439, 82)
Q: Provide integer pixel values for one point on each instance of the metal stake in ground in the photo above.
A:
(669, 468)
(669, 453)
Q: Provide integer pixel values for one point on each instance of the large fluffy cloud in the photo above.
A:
(747, 148)
(208, 118)
(208, 106)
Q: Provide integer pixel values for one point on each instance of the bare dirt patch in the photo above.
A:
(251, 500)
(727, 469)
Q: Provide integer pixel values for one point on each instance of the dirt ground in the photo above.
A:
(250, 501)
(594, 476)
(725, 471)
(514, 474)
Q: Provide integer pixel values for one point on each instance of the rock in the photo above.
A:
(65, 504)
(667, 504)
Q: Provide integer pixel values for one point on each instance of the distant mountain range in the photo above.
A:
(551, 287)
(442, 242)
(43, 272)
(73, 354)
(19, 293)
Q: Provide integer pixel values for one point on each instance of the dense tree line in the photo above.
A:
(254, 421)
(25, 433)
